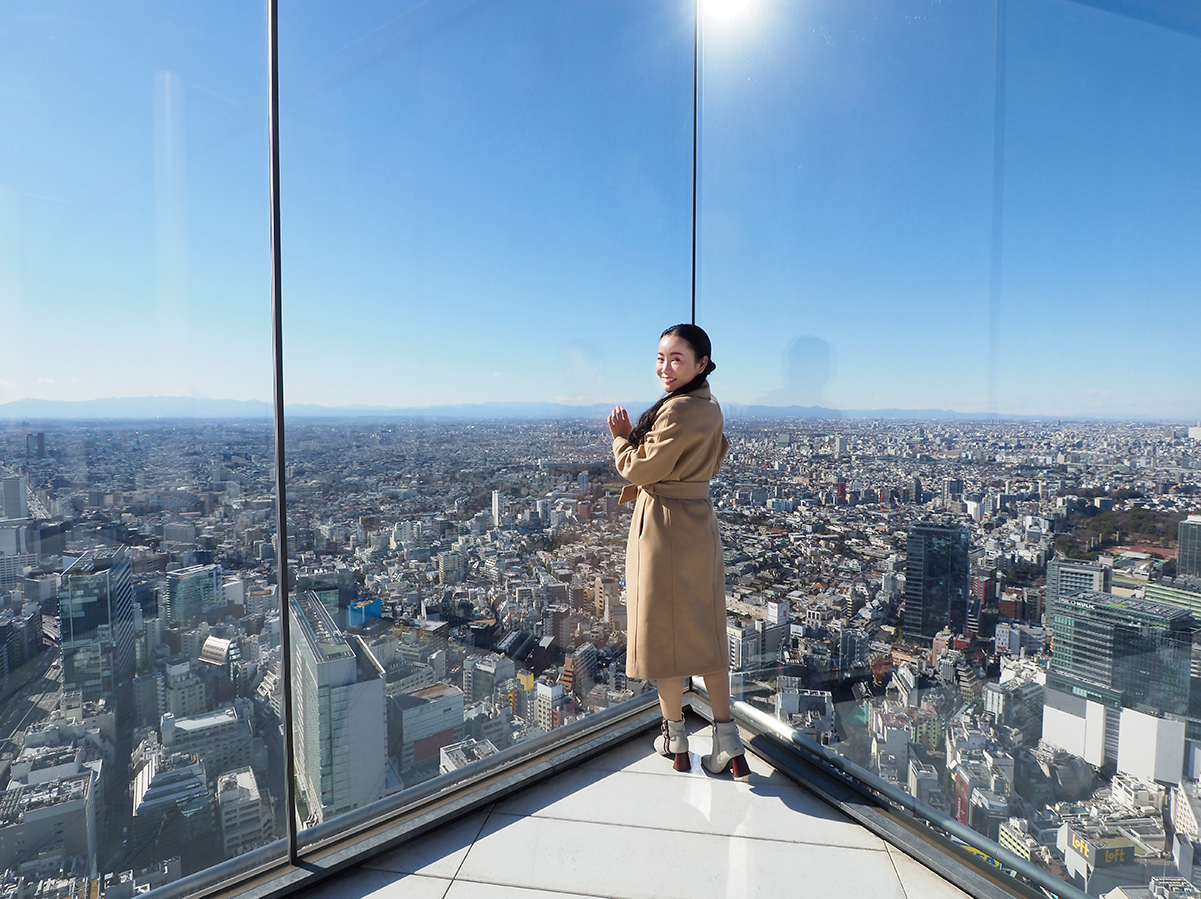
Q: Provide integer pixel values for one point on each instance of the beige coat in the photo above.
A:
(675, 573)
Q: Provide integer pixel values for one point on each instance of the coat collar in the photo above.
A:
(701, 393)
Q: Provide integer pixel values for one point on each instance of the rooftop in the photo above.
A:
(625, 825)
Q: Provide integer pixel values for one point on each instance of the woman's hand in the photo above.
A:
(619, 423)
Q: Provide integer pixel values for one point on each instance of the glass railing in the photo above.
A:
(946, 256)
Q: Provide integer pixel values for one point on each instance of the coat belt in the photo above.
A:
(668, 490)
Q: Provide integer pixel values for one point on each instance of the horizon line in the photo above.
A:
(524, 409)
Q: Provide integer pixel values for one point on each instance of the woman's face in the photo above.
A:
(677, 363)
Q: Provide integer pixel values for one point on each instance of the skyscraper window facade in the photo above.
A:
(937, 579)
(95, 615)
(1122, 651)
(1188, 556)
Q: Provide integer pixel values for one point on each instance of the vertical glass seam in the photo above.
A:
(281, 522)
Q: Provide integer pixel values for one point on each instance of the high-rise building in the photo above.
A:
(452, 568)
(1067, 577)
(937, 579)
(606, 593)
(58, 812)
(341, 732)
(243, 813)
(1188, 553)
(499, 504)
(173, 812)
(222, 740)
(189, 590)
(95, 613)
(482, 674)
(13, 496)
(420, 724)
(1121, 651)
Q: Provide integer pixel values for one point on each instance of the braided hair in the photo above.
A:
(696, 338)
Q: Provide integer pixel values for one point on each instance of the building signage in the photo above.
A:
(1100, 854)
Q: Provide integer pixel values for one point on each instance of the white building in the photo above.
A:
(341, 727)
(243, 813)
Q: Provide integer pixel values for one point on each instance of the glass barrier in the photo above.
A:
(947, 259)
(486, 225)
(138, 617)
(946, 249)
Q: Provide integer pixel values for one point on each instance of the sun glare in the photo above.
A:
(725, 9)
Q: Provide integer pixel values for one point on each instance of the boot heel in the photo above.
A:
(739, 768)
(682, 762)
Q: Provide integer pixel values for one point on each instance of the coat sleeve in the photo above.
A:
(721, 456)
(656, 457)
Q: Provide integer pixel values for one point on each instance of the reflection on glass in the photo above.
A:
(465, 210)
(139, 625)
(988, 606)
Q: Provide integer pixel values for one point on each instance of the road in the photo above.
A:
(38, 690)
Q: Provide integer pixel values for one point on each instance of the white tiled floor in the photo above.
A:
(627, 826)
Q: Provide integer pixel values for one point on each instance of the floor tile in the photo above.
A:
(437, 853)
(467, 889)
(919, 882)
(623, 863)
(768, 808)
(362, 883)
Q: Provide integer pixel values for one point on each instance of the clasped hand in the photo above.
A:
(619, 423)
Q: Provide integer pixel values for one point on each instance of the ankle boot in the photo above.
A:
(727, 752)
(673, 742)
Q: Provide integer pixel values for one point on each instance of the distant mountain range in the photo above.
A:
(184, 407)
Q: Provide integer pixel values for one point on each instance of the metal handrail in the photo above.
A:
(762, 722)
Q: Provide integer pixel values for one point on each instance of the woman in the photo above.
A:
(675, 574)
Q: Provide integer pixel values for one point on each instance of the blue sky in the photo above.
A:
(491, 201)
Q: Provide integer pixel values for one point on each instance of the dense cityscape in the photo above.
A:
(997, 617)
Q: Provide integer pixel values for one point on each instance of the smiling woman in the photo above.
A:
(675, 572)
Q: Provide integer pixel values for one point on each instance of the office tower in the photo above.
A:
(606, 593)
(244, 814)
(498, 507)
(452, 568)
(481, 674)
(222, 740)
(1188, 555)
(189, 590)
(341, 736)
(13, 495)
(50, 814)
(952, 489)
(419, 725)
(95, 614)
(852, 649)
(1066, 577)
(1121, 652)
(173, 812)
(549, 702)
(937, 569)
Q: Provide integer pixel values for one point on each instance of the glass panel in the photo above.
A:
(486, 226)
(952, 314)
(139, 624)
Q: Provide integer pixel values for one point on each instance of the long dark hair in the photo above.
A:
(696, 338)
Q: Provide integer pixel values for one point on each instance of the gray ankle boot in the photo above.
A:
(727, 752)
(673, 742)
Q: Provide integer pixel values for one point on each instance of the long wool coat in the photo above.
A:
(675, 573)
